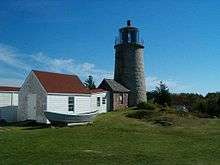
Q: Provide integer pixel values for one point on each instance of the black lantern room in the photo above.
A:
(128, 35)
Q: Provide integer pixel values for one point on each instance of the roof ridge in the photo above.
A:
(68, 74)
(116, 86)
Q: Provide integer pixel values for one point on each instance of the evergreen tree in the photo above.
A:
(162, 94)
(89, 83)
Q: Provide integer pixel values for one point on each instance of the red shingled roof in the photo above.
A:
(97, 90)
(7, 88)
(61, 83)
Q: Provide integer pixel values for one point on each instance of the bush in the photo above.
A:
(208, 107)
(140, 114)
(145, 105)
(164, 121)
(200, 106)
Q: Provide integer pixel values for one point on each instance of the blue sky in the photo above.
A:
(182, 40)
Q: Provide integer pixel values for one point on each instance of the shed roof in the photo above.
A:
(61, 83)
(9, 89)
(114, 85)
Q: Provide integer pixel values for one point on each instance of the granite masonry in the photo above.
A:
(129, 64)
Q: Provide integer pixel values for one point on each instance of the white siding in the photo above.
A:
(8, 106)
(59, 104)
(32, 86)
(5, 99)
(82, 104)
(56, 103)
(103, 107)
(15, 99)
(8, 99)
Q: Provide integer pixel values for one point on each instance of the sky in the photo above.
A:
(181, 39)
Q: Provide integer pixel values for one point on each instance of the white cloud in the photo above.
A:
(45, 62)
(71, 66)
(11, 57)
(23, 63)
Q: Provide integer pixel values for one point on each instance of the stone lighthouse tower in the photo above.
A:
(129, 63)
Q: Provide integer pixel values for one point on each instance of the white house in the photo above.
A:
(59, 93)
(8, 103)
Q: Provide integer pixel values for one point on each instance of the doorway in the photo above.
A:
(32, 100)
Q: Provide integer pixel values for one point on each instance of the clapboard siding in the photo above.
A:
(82, 104)
(8, 106)
(5, 99)
(59, 104)
(8, 99)
(103, 107)
(15, 99)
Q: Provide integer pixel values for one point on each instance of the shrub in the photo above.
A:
(140, 114)
(164, 121)
(145, 105)
(208, 107)
(200, 106)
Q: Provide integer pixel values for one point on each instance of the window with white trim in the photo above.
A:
(104, 100)
(71, 103)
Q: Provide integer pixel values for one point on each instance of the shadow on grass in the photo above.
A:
(26, 125)
(32, 125)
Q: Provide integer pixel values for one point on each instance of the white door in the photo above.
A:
(32, 99)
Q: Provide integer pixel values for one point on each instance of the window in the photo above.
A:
(103, 100)
(121, 98)
(98, 101)
(129, 37)
(71, 103)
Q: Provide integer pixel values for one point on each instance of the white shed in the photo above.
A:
(8, 103)
(100, 100)
(54, 92)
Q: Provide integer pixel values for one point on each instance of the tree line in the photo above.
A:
(206, 106)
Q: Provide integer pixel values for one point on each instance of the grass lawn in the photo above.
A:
(113, 139)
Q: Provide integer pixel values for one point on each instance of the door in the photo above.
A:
(32, 99)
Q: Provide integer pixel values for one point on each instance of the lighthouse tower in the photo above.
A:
(129, 63)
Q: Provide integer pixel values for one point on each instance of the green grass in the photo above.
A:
(114, 139)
